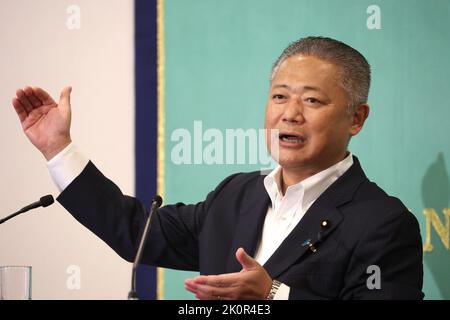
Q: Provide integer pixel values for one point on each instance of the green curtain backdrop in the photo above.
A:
(218, 59)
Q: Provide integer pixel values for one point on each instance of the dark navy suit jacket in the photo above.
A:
(366, 227)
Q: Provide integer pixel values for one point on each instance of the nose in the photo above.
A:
(293, 112)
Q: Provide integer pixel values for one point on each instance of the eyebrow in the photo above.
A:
(304, 87)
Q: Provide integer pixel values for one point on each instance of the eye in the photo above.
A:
(278, 98)
(312, 100)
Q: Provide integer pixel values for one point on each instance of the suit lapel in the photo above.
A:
(307, 230)
(326, 207)
(250, 224)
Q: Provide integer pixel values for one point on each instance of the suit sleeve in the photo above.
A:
(394, 246)
(119, 220)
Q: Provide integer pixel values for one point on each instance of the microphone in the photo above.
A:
(156, 203)
(45, 201)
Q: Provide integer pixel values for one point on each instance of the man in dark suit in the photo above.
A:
(313, 228)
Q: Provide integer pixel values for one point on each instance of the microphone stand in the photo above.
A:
(13, 215)
(45, 201)
(156, 203)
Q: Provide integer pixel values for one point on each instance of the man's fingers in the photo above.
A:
(206, 292)
(190, 288)
(247, 262)
(43, 96)
(221, 280)
(21, 112)
(65, 96)
(202, 296)
(32, 97)
(214, 291)
(203, 291)
(21, 95)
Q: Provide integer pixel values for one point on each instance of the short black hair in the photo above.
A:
(355, 78)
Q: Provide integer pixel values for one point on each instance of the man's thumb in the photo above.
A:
(245, 260)
(64, 100)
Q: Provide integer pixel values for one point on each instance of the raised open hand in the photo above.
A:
(45, 122)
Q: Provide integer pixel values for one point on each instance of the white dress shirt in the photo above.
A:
(287, 210)
(66, 166)
(282, 216)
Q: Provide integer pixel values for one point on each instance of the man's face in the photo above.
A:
(310, 109)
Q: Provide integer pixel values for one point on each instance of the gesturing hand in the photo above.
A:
(252, 283)
(45, 123)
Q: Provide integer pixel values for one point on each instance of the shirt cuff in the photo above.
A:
(282, 292)
(66, 166)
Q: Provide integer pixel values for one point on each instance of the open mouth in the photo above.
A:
(292, 138)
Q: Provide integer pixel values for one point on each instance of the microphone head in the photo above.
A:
(157, 200)
(46, 200)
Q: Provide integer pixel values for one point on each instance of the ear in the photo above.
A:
(358, 116)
